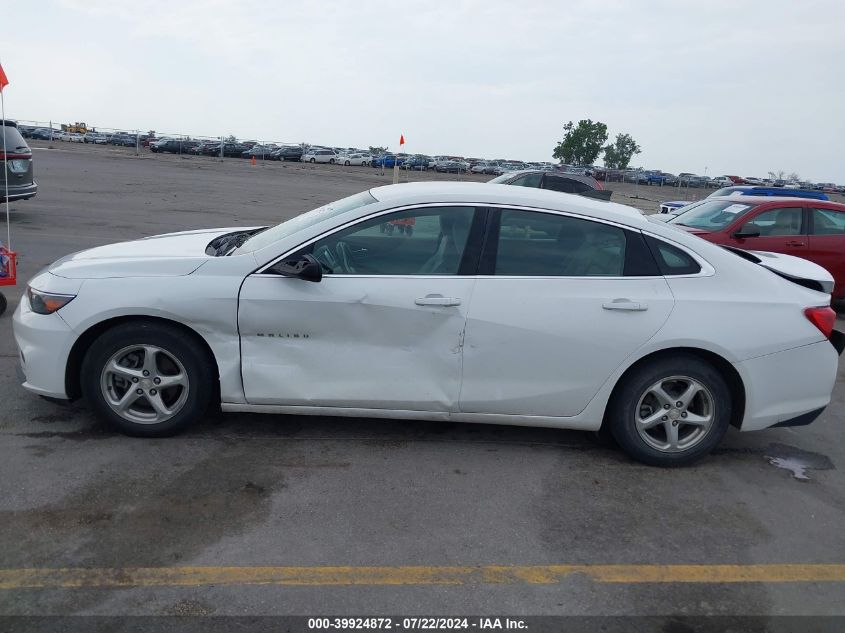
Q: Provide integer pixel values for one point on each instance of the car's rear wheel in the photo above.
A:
(147, 380)
(3, 304)
(346, 163)
(313, 161)
(671, 411)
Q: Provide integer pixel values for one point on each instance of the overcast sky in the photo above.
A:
(739, 87)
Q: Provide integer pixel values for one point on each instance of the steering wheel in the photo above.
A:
(328, 261)
(344, 254)
(337, 260)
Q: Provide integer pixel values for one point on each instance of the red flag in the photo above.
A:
(401, 136)
(4, 80)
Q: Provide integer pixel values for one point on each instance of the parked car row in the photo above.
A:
(79, 133)
(687, 179)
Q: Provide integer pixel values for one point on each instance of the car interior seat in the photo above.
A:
(454, 231)
(787, 222)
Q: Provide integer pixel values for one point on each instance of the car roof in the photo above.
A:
(755, 200)
(764, 188)
(481, 192)
(762, 199)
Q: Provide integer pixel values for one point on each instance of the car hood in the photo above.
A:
(168, 255)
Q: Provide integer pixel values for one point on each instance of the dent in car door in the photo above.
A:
(374, 339)
(543, 345)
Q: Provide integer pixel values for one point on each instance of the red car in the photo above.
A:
(812, 229)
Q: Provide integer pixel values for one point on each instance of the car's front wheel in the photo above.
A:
(671, 411)
(147, 379)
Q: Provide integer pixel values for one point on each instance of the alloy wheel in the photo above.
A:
(144, 384)
(675, 414)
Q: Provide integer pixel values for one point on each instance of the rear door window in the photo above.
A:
(827, 222)
(550, 245)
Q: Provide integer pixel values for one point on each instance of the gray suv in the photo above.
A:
(18, 162)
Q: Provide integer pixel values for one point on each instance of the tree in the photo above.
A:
(618, 154)
(377, 151)
(582, 144)
(793, 177)
(777, 175)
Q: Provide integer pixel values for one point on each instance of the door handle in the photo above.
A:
(794, 243)
(437, 300)
(625, 304)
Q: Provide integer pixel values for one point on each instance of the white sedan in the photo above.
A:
(505, 305)
(355, 159)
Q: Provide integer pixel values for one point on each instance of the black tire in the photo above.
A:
(3, 304)
(622, 410)
(197, 363)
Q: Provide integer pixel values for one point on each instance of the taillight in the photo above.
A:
(823, 317)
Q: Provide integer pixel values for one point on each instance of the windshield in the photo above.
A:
(726, 191)
(711, 215)
(300, 222)
(503, 179)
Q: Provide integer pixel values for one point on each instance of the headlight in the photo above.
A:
(46, 302)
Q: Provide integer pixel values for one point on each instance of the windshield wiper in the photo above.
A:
(237, 242)
(230, 242)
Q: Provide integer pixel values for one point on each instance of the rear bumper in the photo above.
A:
(19, 192)
(837, 339)
(786, 388)
(802, 420)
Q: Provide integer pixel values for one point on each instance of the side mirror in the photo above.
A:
(306, 268)
(747, 230)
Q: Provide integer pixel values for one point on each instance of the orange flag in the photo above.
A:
(4, 80)
(401, 136)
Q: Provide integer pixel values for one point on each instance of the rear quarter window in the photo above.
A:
(672, 260)
(828, 222)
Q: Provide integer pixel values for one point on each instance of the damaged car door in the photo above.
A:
(380, 323)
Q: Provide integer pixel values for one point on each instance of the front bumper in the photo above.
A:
(19, 192)
(44, 342)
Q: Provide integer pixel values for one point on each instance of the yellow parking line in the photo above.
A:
(414, 575)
